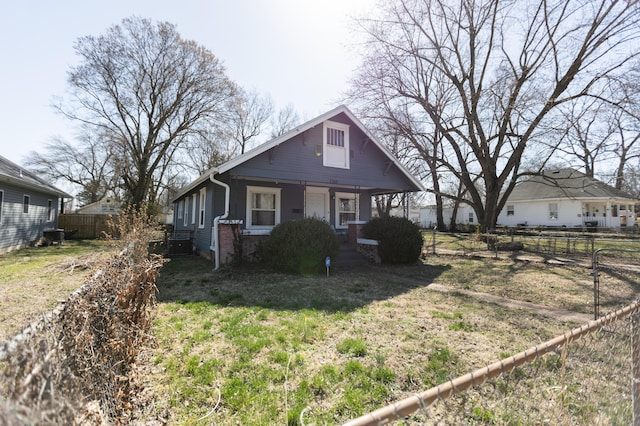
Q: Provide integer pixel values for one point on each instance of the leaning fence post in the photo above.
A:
(433, 239)
(635, 358)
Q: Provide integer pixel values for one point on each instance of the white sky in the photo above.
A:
(297, 51)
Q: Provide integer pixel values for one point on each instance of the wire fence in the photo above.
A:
(567, 244)
(616, 278)
(588, 375)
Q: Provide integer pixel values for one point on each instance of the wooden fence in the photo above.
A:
(84, 226)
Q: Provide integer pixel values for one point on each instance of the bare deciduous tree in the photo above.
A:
(92, 166)
(285, 120)
(486, 74)
(208, 148)
(247, 116)
(148, 89)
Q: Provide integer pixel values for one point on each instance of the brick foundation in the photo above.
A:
(354, 231)
(369, 249)
(225, 240)
(250, 242)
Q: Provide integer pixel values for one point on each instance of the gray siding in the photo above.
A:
(201, 236)
(19, 229)
(291, 206)
(296, 160)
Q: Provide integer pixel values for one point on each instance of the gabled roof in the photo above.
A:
(14, 174)
(107, 201)
(564, 183)
(290, 134)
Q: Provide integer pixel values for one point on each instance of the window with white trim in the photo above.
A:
(25, 204)
(471, 217)
(1, 204)
(194, 212)
(203, 203)
(511, 210)
(180, 209)
(335, 142)
(263, 207)
(553, 211)
(186, 212)
(346, 209)
(49, 210)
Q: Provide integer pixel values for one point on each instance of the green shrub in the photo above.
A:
(399, 239)
(300, 246)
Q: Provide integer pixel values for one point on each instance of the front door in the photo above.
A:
(317, 203)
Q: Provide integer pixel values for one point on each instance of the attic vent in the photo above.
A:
(555, 172)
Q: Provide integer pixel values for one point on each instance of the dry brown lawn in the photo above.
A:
(35, 279)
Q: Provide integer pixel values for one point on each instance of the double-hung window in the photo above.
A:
(25, 204)
(511, 210)
(194, 212)
(186, 210)
(49, 210)
(263, 207)
(346, 209)
(203, 203)
(1, 204)
(335, 145)
(180, 209)
(553, 211)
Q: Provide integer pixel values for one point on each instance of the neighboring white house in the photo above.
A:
(413, 214)
(567, 198)
(104, 206)
(464, 216)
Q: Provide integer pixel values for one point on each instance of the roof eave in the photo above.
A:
(41, 188)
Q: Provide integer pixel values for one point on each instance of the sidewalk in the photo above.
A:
(585, 262)
(555, 313)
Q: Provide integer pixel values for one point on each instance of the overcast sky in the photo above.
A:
(297, 51)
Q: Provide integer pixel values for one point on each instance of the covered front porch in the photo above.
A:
(613, 214)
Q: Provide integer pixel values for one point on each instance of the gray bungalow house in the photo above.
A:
(29, 206)
(567, 198)
(328, 168)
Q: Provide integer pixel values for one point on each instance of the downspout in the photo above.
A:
(217, 219)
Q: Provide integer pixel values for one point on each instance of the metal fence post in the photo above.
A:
(635, 368)
(433, 240)
(596, 286)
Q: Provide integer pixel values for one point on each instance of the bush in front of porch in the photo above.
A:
(300, 246)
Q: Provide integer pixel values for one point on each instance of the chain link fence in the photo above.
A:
(565, 244)
(588, 375)
(616, 278)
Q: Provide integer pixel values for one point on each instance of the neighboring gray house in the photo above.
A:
(567, 198)
(328, 168)
(28, 206)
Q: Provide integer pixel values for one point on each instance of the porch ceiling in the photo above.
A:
(372, 189)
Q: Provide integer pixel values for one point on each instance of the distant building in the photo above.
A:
(464, 216)
(104, 206)
(567, 198)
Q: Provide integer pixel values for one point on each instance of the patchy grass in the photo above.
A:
(33, 280)
(254, 347)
